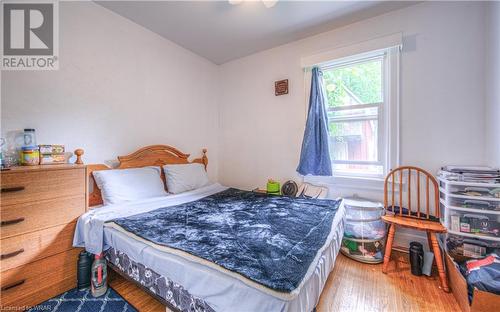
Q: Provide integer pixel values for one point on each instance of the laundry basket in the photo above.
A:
(364, 234)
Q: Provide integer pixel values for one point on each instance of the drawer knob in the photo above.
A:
(12, 189)
(11, 254)
(13, 221)
(12, 285)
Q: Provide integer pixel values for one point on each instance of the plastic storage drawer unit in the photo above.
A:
(364, 233)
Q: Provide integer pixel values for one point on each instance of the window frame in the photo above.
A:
(387, 114)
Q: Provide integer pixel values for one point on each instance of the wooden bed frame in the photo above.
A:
(153, 155)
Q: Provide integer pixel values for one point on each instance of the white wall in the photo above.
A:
(493, 85)
(442, 95)
(442, 98)
(119, 87)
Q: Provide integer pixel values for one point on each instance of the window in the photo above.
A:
(361, 97)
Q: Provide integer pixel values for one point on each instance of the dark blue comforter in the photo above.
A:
(271, 240)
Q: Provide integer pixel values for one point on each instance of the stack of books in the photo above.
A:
(470, 174)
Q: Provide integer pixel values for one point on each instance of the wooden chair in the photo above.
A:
(421, 189)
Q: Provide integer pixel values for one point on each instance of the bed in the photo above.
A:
(245, 267)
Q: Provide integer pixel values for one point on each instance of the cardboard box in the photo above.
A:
(482, 301)
(474, 251)
(464, 225)
(48, 159)
(51, 149)
(455, 223)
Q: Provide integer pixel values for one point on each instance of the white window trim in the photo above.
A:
(389, 116)
(393, 106)
(336, 53)
(381, 124)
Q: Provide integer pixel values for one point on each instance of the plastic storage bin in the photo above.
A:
(465, 248)
(365, 229)
(475, 224)
(474, 203)
(364, 234)
(478, 189)
(355, 213)
(363, 250)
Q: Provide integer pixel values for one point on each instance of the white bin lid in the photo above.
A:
(362, 203)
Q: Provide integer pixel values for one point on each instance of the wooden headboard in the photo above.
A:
(153, 155)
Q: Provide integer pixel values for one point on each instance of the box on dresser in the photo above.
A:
(39, 207)
(52, 159)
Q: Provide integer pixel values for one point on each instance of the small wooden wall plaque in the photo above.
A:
(281, 87)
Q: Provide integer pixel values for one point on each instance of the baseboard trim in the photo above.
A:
(403, 239)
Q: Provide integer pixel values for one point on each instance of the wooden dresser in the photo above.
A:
(39, 208)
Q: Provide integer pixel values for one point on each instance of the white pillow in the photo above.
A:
(186, 177)
(120, 185)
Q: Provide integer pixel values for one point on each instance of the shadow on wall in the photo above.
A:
(410, 43)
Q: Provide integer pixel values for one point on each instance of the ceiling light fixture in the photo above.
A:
(267, 3)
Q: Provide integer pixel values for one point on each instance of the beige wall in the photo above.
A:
(119, 87)
(442, 96)
(442, 107)
(493, 85)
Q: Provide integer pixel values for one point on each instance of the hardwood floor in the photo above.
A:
(352, 286)
(134, 295)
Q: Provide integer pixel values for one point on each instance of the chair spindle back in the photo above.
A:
(412, 177)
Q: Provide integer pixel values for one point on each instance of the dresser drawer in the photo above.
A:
(40, 280)
(30, 186)
(24, 218)
(22, 249)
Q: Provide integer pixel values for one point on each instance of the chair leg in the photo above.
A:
(388, 247)
(429, 241)
(439, 262)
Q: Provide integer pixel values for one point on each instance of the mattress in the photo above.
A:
(220, 290)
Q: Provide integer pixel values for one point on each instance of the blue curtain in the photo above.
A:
(315, 156)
